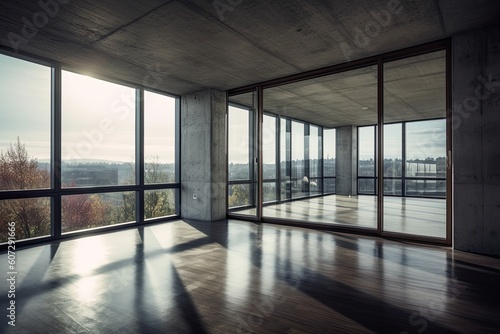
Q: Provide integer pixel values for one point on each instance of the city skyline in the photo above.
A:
(428, 140)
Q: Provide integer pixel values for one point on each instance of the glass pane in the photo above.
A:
(239, 148)
(318, 148)
(242, 151)
(25, 124)
(366, 186)
(269, 192)
(84, 211)
(159, 203)
(27, 218)
(98, 132)
(415, 104)
(426, 149)
(239, 195)
(298, 173)
(315, 143)
(393, 150)
(426, 188)
(315, 186)
(366, 155)
(286, 158)
(286, 190)
(269, 147)
(329, 185)
(329, 152)
(159, 138)
(393, 187)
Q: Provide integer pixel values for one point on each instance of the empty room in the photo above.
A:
(232, 166)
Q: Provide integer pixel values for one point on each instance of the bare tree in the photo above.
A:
(157, 203)
(19, 172)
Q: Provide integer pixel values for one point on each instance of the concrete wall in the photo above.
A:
(203, 158)
(476, 141)
(346, 162)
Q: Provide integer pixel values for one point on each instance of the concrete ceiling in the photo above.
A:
(414, 89)
(185, 46)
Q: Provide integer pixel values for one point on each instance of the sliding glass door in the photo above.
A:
(415, 146)
(316, 125)
(359, 147)
(242, 155)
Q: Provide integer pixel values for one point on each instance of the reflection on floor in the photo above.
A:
(241, 277)
(420, 216)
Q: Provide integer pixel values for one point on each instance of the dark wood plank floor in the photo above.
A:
(241, 277)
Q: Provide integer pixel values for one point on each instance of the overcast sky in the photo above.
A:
(25, 105)
(98, 117)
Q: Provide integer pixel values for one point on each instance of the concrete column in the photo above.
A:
(203, 156)
(476, 138)
(346, 162)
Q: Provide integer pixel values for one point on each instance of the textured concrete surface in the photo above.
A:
(184, 46)
(203, 163)
(413, 90)
(346, 160)
(476, 139)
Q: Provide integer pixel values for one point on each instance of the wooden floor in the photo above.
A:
(419, 216)
(242, 277)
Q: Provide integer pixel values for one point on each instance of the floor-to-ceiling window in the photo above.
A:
(318, 148)
(285, 154)
(242, 154)
(161, 153)
(415, 145)
(98, 150)
(270, 169)
(362, 147)
(79, 153)
(298, 174)
(367, 167)
(393, 159)
(328, 160)
(25, 148)
(314, 162)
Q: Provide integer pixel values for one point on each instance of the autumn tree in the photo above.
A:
(239, 196)
(18, 171)
(84, 211)
(157, 204)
